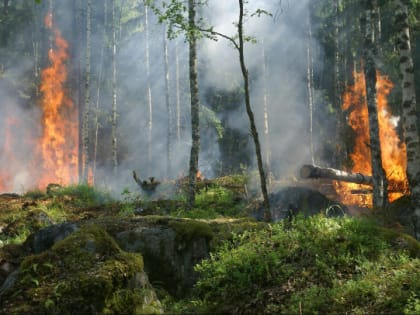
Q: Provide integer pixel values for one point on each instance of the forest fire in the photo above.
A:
(59, 142)
(393, 150)
(42, 147)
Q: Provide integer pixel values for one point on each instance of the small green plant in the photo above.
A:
(316, 265)
(83, 194)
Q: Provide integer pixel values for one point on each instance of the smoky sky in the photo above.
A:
(281, 37)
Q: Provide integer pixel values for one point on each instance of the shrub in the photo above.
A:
(313, 265)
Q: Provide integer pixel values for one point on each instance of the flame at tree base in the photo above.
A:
(33, 157)
(393, 151)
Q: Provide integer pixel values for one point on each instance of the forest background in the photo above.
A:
(133, 114)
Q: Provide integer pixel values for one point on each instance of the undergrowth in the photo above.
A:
(310, 266)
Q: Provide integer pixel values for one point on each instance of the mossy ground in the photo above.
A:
(86, 273)
(346, 264)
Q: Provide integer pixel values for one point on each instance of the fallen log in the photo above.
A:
(312, 171)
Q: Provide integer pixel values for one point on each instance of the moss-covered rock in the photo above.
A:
(86, 273)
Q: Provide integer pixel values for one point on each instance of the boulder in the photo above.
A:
(45, 238)
(85, 273)
(170, 248)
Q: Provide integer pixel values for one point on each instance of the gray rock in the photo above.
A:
(169, 260)
(47, 237)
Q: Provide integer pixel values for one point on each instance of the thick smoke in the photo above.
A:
(282, 37)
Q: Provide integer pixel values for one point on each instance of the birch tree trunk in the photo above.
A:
(168, 107)
(98, 93)
(266, 115)
(409, 118)
(309, 78)
(148, 87)
(195, 104)
(254, 133)
(86, 109)
(380, 185)
(178, 95)
(114, 92)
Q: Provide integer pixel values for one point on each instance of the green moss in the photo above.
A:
(188, 230)
(132, 302)
(79, 275)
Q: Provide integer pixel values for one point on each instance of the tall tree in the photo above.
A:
(114, 116)
(370, 53)
(195, 101)
(263, 181)
(177, 23)
(266, 114)
(409, 117)
(168, 107)
(238, 42)
(148, 86)
(310, 85)
(86, 109)
(96, 124)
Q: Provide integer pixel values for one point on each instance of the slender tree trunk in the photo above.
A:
(80, 87)
(338, 156)
(195, 105)
(86, 110)
(149, 88)
(178, 95)
(310, 81)
(409, 118)
(114, 92)
(168, 107)
(254, 133)
(380, 185)
(98, 94)
(266, 115)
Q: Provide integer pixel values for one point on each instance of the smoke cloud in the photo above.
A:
(282, 39)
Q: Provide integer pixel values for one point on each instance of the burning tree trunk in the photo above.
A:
(370, 52)
(312, 171)
(409, 118)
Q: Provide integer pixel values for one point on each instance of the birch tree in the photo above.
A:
(409, 118)
(178, 23)
(168, 106)
(114, 122)
(86, 108)
(370, 53)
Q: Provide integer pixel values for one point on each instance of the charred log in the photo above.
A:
(312, 171)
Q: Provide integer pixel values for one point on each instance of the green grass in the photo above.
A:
(313, 266)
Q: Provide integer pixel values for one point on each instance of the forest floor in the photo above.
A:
(216, 258)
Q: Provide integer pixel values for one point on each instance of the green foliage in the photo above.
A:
(83, 195)
(312, 266)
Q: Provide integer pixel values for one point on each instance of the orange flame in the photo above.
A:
(394, 158)
(59, 141)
